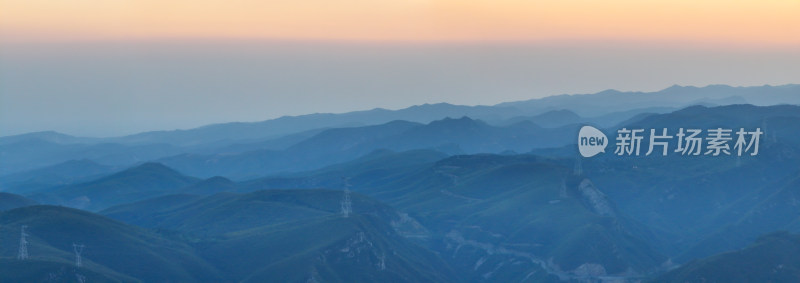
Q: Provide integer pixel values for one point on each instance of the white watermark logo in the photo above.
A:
(591, 141)
(714, 142)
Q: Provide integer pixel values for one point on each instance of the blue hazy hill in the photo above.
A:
(69, 172)
(452, 136)
(37, 150)
(450, 199)
(771, 258)
(136, 183)
(114, 250)
(10, 201)
(293, 235)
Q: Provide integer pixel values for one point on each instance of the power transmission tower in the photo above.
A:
(345, 203)
(23, 244)
(78, 250)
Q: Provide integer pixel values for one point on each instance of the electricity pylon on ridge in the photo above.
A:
(78, 250)
(23, 244)
(346, 204)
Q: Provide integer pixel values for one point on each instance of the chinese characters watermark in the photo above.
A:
(714, 142)
(664, 141)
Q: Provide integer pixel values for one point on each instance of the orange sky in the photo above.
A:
(760, 23)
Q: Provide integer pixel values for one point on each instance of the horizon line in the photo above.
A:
(398, 109)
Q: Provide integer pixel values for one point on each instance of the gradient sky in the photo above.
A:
(111, 67)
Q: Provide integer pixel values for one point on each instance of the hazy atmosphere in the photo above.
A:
(475, 141)
(102, 69)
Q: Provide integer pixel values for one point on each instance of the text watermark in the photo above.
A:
(686, 141)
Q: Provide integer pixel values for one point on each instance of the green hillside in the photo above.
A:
(110, 245)
(294, 236)
(361, 248)
(533, 208)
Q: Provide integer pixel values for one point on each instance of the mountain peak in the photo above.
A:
(673, 87)
(693, 108)
(456, 123)
(558, 114)
(453, 121)
(149, 170)
(218, 179)
(133, 184)
(210, 186)
(153, 166)
(608, 91)
(48, 136)
(463, 118)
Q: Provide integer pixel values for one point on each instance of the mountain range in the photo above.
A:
(434, 193)
(36, 150)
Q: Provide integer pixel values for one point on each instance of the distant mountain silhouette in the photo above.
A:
(210, 186)
(36, 150)
(587, 105)
(46, 136)
(550, 119)
(137, 183)
(65, 173)
(608, 101)
(35, 153)
(452, 136)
